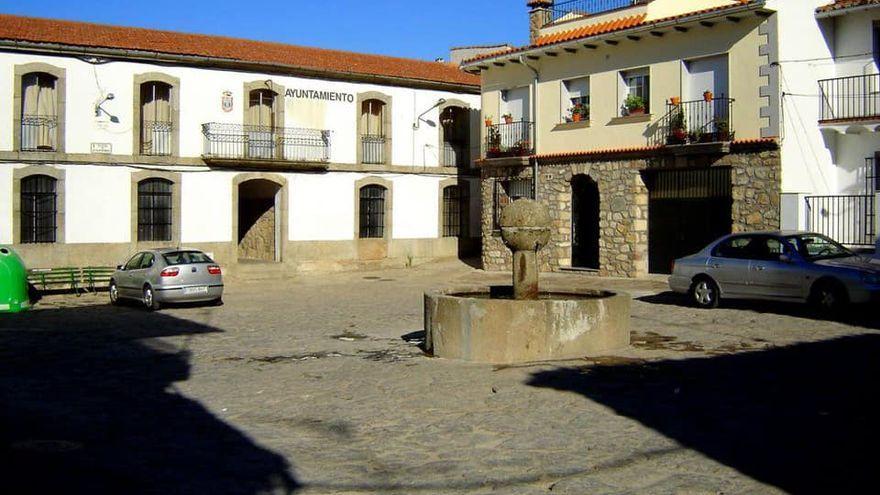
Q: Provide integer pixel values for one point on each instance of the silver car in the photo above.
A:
(779, 266)
(167, 275)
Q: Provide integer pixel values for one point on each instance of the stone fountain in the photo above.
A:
(504, 325)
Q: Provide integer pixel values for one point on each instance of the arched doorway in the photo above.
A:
(259, 220)
(584, 222)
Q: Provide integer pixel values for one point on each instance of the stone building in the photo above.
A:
(265, 155)
(648, 127)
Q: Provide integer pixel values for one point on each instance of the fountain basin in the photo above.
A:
(490, 327)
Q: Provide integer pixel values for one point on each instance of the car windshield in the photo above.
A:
(814, 247)
(186, 257)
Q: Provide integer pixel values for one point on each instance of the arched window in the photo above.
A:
(372, 211)
(39, 112)
(373, 131)
(154, 210)
(455, 207)
(38, 209)
(156, 118)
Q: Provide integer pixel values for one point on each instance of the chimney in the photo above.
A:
(539, 16)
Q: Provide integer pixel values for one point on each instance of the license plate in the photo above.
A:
(196, 290)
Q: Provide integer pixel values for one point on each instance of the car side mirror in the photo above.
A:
(120, 267)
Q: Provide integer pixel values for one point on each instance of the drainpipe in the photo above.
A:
(522, 60)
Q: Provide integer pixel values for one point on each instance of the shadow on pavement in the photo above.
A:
(87, 405)
(858, 315)
(802, 418)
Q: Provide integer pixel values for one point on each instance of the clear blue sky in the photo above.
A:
(423, 29)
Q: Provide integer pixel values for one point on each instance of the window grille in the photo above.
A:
(154, 210)
(38, 209)
(455, 209)
(372, 212)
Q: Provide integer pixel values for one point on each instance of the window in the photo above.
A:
(636, 92)
(39, 112)
(372, 212)
(373, 131)
(576, 100)
(147, 261)
(736, 247)
(455, 137)
(156, 118)
(455, 209)
(186, 258)
(135, 262)
(507, 191)
(154, 210)
(38, 209)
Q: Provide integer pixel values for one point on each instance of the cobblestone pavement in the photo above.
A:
(316, 385)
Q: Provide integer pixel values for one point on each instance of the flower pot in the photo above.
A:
(677, 136)
(508, 120)
(575, 117)
(637, 111)
(675, 100)
(488, 122)
(707, 96)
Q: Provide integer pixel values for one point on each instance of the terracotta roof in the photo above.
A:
(81, 34)
(617, 25)
(845, 4)
(739, 143)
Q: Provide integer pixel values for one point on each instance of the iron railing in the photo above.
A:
(709, 120)
(255, 142)
(573, 9)
(156, 138)
(39, 133)
(849, 98)
(848, 219)
(454, 155)
(373, 148)
(513, 139)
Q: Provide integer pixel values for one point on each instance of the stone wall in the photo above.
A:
(623, 206)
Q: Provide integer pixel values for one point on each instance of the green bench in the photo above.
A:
(76, 279)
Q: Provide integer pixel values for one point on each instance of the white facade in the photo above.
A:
(318, 216)
(828, 122)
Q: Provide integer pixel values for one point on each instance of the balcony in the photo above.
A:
(259, 145)
(576, 9)
(39, 133)
(510, 140)
(373, 149)
(156, 138)
(705, 121)
(454, 154)
(849, 99)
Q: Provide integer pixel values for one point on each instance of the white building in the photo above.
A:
(829, 89)
(115, 139)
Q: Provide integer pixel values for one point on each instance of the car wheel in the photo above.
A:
(704, 293)
(114, 293)
(149, 299)
(829, 298)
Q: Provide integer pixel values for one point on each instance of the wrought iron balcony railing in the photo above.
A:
(373, 148)
(255, 142)
(573, 9)
(156, 138)
(709, 120)
(39, 133)
(513, 139)
(454, 154)
(849, 98)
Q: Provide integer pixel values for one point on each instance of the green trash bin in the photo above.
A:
(13, 282)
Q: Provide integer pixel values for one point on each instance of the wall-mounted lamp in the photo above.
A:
(99, 109)
(431, 123)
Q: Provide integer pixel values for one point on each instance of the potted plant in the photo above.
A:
(677, 129)
(634, 105)
(488, 121)
(579, 112)
(722, 129)
(508, 118)
(708, 96)
(675, 101)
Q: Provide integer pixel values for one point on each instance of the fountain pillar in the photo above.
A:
(525, 230)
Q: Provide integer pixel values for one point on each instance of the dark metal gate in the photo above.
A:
(687, 209)
(848, 219)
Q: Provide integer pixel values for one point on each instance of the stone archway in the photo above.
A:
(259, 215)
(584, 222)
